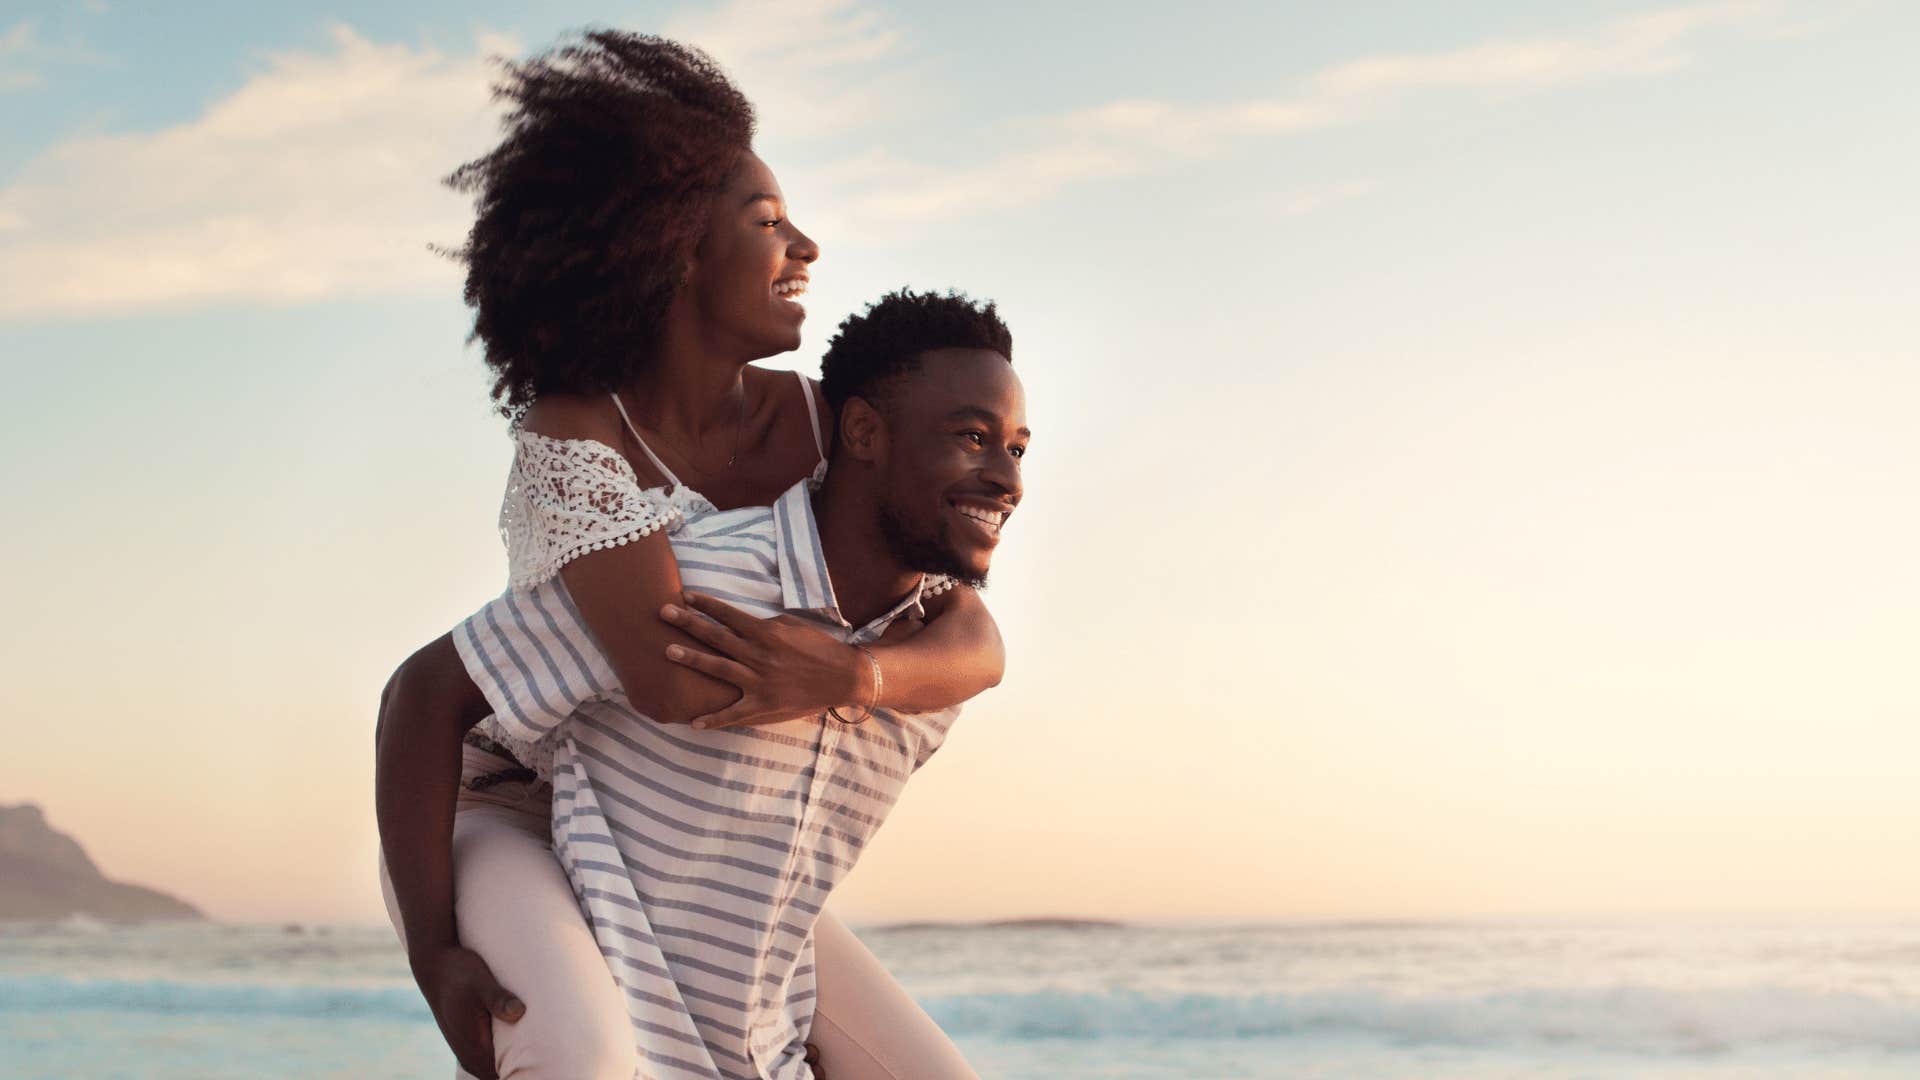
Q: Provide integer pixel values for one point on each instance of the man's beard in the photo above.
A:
(928, 555)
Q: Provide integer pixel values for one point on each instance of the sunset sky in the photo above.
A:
(1475, 455)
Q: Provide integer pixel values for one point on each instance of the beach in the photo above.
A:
(1467, 1000)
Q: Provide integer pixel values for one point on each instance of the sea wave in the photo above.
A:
(24, 994)
(1655, 1020)
(1648, 1019)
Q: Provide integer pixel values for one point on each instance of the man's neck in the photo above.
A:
(867, 579)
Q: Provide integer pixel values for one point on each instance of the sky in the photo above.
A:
(1473, 465)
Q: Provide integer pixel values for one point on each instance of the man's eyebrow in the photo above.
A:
(985, 416)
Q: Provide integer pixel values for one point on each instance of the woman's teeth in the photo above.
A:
(789, 289)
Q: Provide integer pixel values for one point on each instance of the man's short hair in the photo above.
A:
(876, 347)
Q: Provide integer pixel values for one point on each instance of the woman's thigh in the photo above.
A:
(866, 1025)
(515, 908)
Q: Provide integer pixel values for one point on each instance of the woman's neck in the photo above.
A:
(694, 389)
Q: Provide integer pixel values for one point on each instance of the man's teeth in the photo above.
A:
(789, 288)
(992, 519)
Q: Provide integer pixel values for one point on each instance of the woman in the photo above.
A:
(630, 258)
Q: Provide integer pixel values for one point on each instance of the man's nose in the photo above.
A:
(1003, 472)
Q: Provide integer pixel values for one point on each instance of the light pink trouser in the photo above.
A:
(514, 907)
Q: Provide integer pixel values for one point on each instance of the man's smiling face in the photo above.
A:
(956, 434)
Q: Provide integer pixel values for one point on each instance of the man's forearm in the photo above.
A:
(424, 715)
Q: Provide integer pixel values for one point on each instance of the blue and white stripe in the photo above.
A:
(702, 858)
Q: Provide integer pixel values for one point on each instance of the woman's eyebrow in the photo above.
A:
(759, 195)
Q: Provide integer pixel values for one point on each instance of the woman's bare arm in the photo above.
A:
(619, 589)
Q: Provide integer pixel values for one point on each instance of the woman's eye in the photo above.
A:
(774, 223)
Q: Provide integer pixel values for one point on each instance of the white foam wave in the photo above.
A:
(22, 994)
(1623, 1018)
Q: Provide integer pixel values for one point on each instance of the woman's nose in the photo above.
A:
(802, 247)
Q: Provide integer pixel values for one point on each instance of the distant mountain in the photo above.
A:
(45, 874)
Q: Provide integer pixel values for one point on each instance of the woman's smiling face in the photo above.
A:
(751, 266)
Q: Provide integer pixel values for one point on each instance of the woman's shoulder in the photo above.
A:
(572, 416)
(780, 387)
(794, 408)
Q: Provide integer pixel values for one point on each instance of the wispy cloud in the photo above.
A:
(1638, 45)
(16, 42)
(26, 54)
(1138, 136)
(833, 65)
(320, 175)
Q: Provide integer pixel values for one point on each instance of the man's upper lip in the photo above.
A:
(985, 502)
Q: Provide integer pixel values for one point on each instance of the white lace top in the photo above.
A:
(567, 497)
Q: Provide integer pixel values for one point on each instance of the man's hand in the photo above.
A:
(785, 668)
(466, 1000)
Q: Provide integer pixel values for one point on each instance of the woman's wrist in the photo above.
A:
(864, 696)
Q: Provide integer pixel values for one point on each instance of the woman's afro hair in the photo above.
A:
(590, 209)
(888, 339)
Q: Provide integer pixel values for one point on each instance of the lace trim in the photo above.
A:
(535, 755)
(935, 584)
(568, 497)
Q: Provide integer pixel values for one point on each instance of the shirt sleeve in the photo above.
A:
(925, 732)
(568, 497)
(532, 656)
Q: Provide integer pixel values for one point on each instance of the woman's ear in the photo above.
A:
(863, 431)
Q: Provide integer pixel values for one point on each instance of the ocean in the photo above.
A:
(1064, 1002)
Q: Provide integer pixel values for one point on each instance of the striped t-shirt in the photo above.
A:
(702, 858)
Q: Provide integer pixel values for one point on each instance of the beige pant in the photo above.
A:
(514, 907)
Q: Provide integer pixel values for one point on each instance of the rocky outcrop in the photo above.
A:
(45, 874)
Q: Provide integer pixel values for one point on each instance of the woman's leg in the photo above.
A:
(866, 1025)
(514, 907)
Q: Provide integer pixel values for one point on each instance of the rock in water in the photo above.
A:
(45, 874)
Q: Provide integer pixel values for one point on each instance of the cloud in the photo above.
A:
(24, 54)
(1139, 136)
(318, 177)
(1639, 45)
(832, 65)
(16, 43)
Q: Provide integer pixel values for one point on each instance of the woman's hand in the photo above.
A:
(785, 668)
(466, 999)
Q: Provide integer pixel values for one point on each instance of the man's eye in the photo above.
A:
(1018, 451)
(974, 437)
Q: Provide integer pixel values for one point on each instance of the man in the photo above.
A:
(702, 858)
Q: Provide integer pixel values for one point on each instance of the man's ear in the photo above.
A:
(863, 431)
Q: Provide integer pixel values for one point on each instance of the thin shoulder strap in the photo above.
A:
(644, 448)
(813, 413)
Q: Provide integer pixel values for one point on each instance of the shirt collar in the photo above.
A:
(804, 582)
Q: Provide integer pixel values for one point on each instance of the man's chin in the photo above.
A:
(935, 554)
